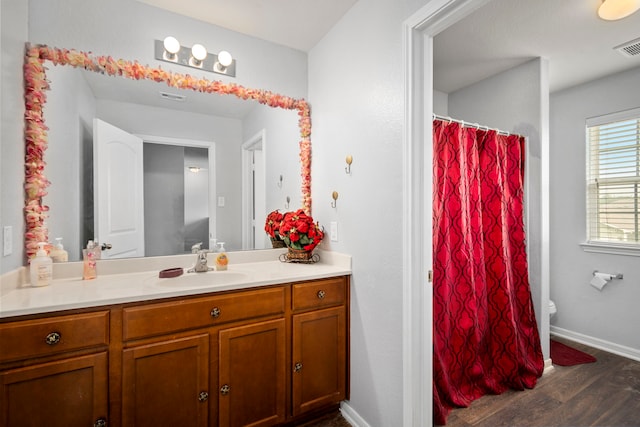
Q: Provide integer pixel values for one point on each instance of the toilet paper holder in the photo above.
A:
(609, 276)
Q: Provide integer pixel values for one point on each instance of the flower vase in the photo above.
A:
(277, 243)
(299, 255)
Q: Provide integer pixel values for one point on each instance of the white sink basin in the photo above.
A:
(198, 280)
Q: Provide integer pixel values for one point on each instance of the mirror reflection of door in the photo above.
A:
(118, 191)
(253, 193)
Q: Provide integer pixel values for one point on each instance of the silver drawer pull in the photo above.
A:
(215, 312)
(321, 294)
(203, 396)
(53, 338)
(297, 367)
(225, 389)
(100, 422)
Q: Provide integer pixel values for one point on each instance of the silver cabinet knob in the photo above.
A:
(225, 389)
(203, 396)
(215, 312)
(100, 422)
(297, 367)
(53, 338)
(321, 294)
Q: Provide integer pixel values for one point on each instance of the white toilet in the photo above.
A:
(552, 309)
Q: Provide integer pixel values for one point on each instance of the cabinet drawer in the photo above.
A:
(163, 318)
(42, 337)
(319, 293)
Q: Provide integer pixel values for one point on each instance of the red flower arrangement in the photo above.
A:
(298, 231)
(272, 224)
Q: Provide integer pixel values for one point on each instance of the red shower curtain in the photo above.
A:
(485, 337)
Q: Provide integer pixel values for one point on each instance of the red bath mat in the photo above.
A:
(564, 355)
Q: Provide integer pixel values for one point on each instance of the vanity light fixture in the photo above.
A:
(349, 160)
(612, 10)
(334, 196)
(170, 50)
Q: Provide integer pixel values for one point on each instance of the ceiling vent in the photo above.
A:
(629, 49)
(173, 97)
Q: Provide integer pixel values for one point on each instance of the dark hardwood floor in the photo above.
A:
(604, 393)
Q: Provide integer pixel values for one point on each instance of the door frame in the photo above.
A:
(211, 154)
(418, 33)
(247, 201)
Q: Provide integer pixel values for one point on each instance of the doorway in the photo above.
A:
(254, 191)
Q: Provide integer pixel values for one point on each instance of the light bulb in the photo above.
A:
(171, 45)
(224, 58)
(611, 10)
(198, 52)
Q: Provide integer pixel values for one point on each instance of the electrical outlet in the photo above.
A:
(7, 245)
(221, 201)
(333, 231)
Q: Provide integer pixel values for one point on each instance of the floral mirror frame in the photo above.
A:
(36, 85)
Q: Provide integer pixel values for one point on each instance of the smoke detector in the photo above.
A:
(629, 49)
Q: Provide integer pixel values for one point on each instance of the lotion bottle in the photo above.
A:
(221, 258)
(41, 268)
(89, 262)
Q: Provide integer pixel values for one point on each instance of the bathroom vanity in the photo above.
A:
(271, 348)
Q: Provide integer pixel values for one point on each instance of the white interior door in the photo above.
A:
(118, 190)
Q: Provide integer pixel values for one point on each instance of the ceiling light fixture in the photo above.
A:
(170, 50)
(612, 10)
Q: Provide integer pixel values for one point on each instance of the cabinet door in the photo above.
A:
(252, 374)
(69, 392)
(166, 383)
(319, 359)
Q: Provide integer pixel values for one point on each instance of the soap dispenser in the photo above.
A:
(58, 254)
(89, 262)
(41, 268)
(221, 258)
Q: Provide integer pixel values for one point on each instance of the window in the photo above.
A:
(613, 179)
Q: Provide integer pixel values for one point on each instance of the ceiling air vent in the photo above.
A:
(629, 49)
(173, 97)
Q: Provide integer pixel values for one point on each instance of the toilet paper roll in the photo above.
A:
(598, 281)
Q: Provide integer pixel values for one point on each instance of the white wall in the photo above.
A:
(516, 101)
(358, 110)
(610, 317)
(72, 110)
(282, 139)
(13, 35)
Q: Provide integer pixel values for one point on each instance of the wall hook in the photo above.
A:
(279, 183)
(334, 195)
(286, 205)
(349, 160)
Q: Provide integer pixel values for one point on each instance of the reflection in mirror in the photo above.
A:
(194, 116)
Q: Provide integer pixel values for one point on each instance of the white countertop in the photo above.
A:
(123, 281)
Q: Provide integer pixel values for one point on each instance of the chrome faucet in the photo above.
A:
(201, 263)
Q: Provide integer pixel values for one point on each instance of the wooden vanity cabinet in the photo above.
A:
(268, 356)
(54, 371)
(320, 344)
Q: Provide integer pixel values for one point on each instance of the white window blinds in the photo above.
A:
(613, 178)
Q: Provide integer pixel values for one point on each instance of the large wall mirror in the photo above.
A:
(214, 157)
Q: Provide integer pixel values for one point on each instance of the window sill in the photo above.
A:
(611, 248)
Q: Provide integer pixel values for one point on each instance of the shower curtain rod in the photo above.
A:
(469, 124)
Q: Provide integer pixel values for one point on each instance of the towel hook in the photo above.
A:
(349, 160)
(334, 195)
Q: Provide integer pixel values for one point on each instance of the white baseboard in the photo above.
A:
(548, 367)
(620, 350)
(352, 417)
